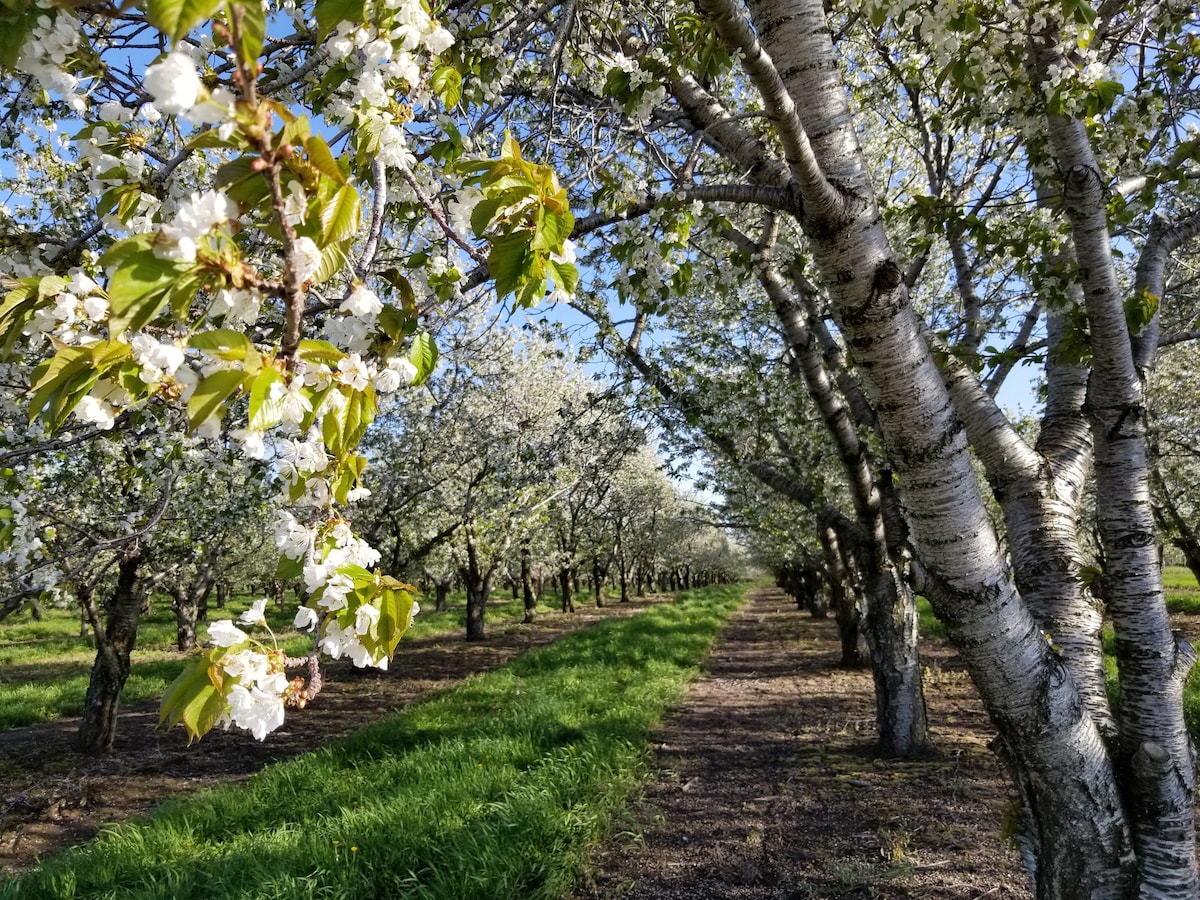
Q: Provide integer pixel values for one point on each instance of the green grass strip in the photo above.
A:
(44, 666)
(497, 788)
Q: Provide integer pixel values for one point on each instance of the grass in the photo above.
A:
(495, 789)
(44, 666)
(1183, 596)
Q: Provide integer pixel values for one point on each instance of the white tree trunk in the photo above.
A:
(1077, 825)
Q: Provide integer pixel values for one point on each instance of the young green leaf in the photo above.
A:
(176, 18)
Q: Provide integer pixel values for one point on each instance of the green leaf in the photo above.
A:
(340, 216)
(510, 262)
(18, 307)
(333, 258)
(344, 427)
(194, 700)
(15, 26)
(483, 213)
(424, 355)
(139, 288)
(447, 84)
(312, 350)
(565, 275)
(1140, 310)
(176, 18)
(323, 160)
(511, 149)
(60, 382)
(254, 28)
(224, 343)
(552, 231)
(211, 393)
(297, 131)
(395, 615)
(330, 13)
(265, 411)
(288, 568)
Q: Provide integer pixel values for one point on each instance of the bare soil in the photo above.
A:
(767, 786)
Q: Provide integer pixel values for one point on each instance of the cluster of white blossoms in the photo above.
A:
(158, 359)
(175, 85)
(256, 700)
(44, 55)
(384, 61)
(77, 311)
(649, 261)
(194, 218)
(643, 84)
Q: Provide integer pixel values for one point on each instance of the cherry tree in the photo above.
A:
(264, 222)
(1055, 183)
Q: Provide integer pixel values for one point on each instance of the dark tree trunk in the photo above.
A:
(598, 576)
(186, 612)
(441, 593)
(527, 586)
(190, 602)
(114, 645)
(222, 594)
(479, 590)
(565, 583)
(847, 612)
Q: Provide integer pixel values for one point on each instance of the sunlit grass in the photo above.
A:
(1183, 594)
(495, 789)
(44, 666)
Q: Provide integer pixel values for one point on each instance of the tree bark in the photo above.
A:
(479, 589)
(1068, 784)
(845, 603)
(565, 583)
(527, 586)
(114, 644)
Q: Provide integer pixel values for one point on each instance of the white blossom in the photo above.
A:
(174, 83)
(308, 258)
(225, 634)
(366, 618)
(306, 618)
(256, 710)
(256, 614)
(362, 302)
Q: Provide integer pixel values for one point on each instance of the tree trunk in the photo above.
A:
(527, 586)
(186, 611)
(441, 593)
(114, 644)
(479, 589)
(598, 576)
(845, 603)
(564, 585)
(1078, 824)
(190, 601)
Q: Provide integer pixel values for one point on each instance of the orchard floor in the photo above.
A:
(766, 787)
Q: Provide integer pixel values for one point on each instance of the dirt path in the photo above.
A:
(52, 797)
(768, 789)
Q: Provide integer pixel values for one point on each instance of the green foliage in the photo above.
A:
(929, 624)
(176, 18)
(496, 789)
(526, 217)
